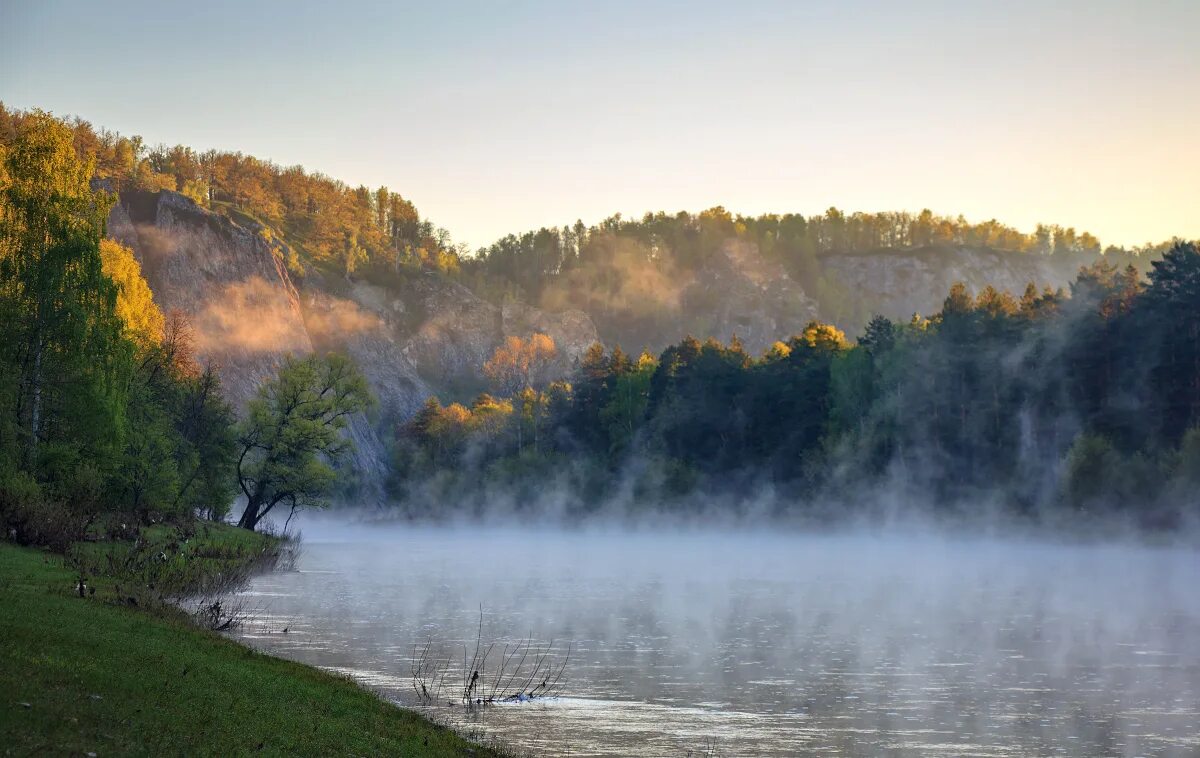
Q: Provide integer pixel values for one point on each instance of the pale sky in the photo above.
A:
(500, 117)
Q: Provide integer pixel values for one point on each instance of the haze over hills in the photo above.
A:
(425, 335)
(267, 261)
(774, 378)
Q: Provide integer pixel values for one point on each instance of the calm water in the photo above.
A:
(769, 644)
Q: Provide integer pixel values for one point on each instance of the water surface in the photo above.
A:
(761, 643)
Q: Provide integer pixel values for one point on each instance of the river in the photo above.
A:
(759, 642)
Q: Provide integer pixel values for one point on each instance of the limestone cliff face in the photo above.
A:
(431, 336)
(898, 283)
(740, 293)
(229, 281)
(458, 331)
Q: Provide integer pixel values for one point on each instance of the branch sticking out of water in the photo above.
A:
(527, 670)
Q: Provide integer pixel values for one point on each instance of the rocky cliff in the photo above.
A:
(899, 283)
(740, 293)
(429, 336)
(226, 278)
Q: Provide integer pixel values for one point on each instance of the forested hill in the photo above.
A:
(263, 261)
(1073, 408)
(644, 282)
(260, 262)
(648, 281)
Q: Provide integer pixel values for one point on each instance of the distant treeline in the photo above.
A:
(1083, 402)
(628, 273)
(523, 266)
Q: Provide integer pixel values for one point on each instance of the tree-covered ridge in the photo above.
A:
(629, 275)
(526, 266)
(332, 225)
(1087, 401)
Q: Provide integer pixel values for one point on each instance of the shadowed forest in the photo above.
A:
(1084, 401)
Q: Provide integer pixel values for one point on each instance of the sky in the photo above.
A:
(501, 117)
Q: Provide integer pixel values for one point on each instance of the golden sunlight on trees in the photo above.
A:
(823, 336)
(519, 363)
(777, 351)
(135, 302)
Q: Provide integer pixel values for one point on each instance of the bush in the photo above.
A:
(29, 518)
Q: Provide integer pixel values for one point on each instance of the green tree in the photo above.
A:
(293, 431)
(62, 350)
(626, 408)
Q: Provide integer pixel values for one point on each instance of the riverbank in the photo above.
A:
(107, 673)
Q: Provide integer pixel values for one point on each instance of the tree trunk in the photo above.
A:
(35, 415)
(250, 516)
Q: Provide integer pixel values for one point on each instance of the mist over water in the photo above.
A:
(768, 642)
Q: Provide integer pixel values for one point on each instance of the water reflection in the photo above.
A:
(770, 644)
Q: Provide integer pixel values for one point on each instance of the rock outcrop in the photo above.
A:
(229, 281)
(430, 336)
(740, 293)
(899, 283)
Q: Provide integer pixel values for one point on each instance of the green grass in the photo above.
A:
(87, 675)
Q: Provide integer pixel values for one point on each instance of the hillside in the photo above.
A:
(647, 282)
(424, 335)
(266, 260)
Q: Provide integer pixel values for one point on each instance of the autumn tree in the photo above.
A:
(519, 363)
(135, 306)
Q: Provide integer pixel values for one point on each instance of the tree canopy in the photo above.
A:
(293, 431)
(1080, 401)
(103, 408)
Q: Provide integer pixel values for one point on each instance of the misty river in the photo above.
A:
(766, 643)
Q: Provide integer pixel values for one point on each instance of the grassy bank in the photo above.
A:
(98, 674)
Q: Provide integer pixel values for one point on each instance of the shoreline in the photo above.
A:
(102, 674)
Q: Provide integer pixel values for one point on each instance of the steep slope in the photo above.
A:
(898, 283)
(226, 278)
(739, 293)
(430, 336)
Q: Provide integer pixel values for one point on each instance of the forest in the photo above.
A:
(1077, 401)
(1052, 404)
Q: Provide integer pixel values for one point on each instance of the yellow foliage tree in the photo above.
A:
(489, 416)
(823, 336)
(777, 352)
(135, 302)
(518, 363)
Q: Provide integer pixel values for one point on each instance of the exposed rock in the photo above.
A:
(431, 336)
(898, 283)
(572, 331)
(459, 332)
(740, 293)
(229, 280)
(456, 334)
